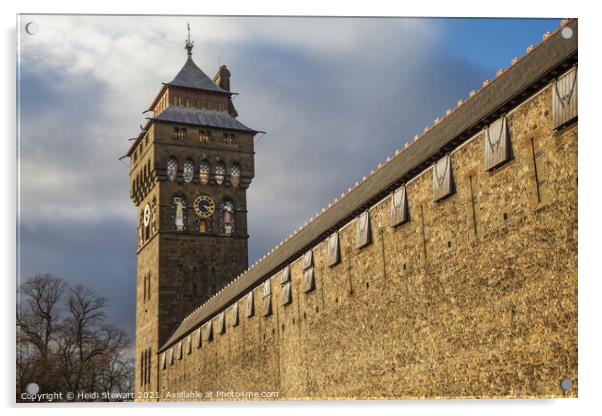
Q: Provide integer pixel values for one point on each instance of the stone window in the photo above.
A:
(172, 169)
(204, 172)
(188, 171)
(220, 173)
(204, 136)
(229, 138)
(235, 175)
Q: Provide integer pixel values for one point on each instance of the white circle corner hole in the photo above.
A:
(32, 28)
(566, 32)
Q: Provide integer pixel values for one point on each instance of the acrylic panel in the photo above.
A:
(171, 168)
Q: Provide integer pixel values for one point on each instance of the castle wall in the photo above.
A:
(476, 295)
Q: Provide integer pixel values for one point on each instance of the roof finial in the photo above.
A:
(189, 43)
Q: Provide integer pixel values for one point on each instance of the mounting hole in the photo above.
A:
(32, 28)
(566, 32)
(566, 384)
(32, 388)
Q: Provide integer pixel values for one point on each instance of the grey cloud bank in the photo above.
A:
(335, 96)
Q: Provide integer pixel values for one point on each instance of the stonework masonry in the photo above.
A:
(472, 295)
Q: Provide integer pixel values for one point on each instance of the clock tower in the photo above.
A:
(190, 168)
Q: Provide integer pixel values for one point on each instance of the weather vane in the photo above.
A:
(189, 43)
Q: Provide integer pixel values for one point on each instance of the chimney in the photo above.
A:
(222, 78)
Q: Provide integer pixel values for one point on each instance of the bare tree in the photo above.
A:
(64, 343)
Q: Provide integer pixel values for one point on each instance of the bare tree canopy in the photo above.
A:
(65, 345)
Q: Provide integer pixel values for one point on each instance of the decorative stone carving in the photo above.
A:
(399, 206)
(209, 330)
(267, 298)
(235, 175)
(362, 234)
(308, 259)
(286, 294)
(250, 309)
(497, 144)
(199, 338)
(221, 323)
(235, 318)
(443, 184)
(334, 254)
(204, 172)
(179, 350)
(188, 171)
(309, 281)
(285, 275)
(564, 99)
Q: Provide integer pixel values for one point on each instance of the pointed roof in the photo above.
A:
(191, 76)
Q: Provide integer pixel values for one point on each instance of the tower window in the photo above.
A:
(220, 172)
(187, 102)
(204, 172)
(235, 175)
(229, 138)
(204, 136)
(176, 133)
(172, 169)
(198, 102)
(188, 171)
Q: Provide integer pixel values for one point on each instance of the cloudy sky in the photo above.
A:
(335, 96)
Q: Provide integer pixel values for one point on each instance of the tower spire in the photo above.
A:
(189, 43)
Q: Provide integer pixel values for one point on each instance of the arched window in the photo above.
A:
(172, 169)
(220, 173)
(204, 172)
(235, 175)
(227, 216)
(188, 171)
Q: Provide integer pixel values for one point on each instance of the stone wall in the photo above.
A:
(474, 296)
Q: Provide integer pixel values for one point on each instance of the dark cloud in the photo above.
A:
(335, 97)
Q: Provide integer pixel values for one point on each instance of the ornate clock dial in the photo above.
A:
(147, 214)
(204, 206)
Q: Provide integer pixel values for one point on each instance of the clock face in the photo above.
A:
(204, 206)
(147, 214)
